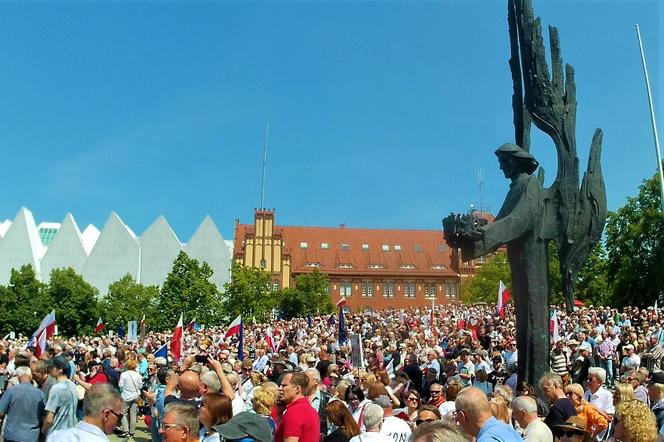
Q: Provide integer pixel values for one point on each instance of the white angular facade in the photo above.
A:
(106, 256)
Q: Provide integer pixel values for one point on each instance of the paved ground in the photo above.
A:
(142, 433)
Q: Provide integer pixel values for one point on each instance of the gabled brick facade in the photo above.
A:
(374, 268)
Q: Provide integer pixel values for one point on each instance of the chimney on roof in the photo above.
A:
(342, 225)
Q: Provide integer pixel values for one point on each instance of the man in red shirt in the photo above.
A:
(300, 420)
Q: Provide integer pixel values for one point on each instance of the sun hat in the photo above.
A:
(574, 423)
(244, 425)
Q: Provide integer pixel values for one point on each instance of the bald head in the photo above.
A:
(188, 384)
(473, 409)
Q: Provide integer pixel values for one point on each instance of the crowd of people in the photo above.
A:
(402, 375)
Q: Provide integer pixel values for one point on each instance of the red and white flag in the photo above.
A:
(142, 323)
(40, 344)
(48, 324)
(100, 325)
(269, 339)
(553, 327)
(176, 340)
(503, 298)
(191, 325)
(234, 328)
(342, 302)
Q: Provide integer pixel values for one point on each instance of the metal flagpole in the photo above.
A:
(654, 123)
(267, 126)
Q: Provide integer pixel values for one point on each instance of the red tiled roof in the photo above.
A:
(420, 249)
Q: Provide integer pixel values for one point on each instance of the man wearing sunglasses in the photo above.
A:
(101, 406)
(180, 423)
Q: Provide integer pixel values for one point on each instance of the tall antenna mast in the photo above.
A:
(479, 178)
(267, 126)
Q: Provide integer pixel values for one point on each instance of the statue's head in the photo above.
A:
(514, 160)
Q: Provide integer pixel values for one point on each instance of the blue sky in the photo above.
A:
(380, 113)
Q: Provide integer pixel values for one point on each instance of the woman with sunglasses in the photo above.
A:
(413, 403)
(595, 421)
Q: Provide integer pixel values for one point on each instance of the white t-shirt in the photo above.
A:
(396, 429)
(130, 385)
(371, 437)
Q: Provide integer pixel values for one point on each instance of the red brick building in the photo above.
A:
(374, 268)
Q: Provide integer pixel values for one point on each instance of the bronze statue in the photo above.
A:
(531, 215)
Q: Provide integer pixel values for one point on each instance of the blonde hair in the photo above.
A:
(639, 422)
(131, 364)
(499, 409)
(576, 389)
(625, 392)
(263, 401)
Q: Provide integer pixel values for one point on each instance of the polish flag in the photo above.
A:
(655, 313)
(503, 298)
(40, 346)
(176, 340)
(234, 328)
(100, 325)
(342, 302)
(191, 325)
(269, 338)
(553, 326)
(48, 324)
(142, 323)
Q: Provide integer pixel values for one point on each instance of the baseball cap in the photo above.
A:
(656, 378)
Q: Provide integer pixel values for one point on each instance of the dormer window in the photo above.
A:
(386, 248)
(345, 247)
(397, 247)
(313, 264)
(438, 267)
(407, 266)
(376, 266)
(346, 266)
(365, 247)
(324, 246)
(304, 245)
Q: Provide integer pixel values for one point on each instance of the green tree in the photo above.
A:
(309, 296)
(483, 286)
(592, 286)
(189, 291)
(635, 248)
(248, 293)
(128, 300)
(74, 301)
(23, 303)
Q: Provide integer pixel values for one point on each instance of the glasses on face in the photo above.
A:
(421, 421)
(568, 433)
(412, 399)
(166, 427)
(436, 391)
(118, 416)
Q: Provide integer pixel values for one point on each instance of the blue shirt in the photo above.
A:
(24, 406)
(82, 432)
(495, 430)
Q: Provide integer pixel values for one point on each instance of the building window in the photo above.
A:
(386, 248)
(345, 247)
(481, 259)
(324, 245)
(407, 266)
(418, 248)
(429, 289)
(313, 264)
(442, 248)
(345, 289)
(275, 286)
(376, 266)
(397, 247)
(409, 289)
(438, 267)
(365, 247)
(367, 289)
(345, 266)
(304, 245)
(388, 289)
(451, 289)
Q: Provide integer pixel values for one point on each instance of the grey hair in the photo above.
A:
(598, 372)
(314, 372)
(373, 415)
(22, 371)
(211, 379)
(551, 379)
(444, 430)
(186, 415)
(525, 403)
(233, 379)
(98, 398)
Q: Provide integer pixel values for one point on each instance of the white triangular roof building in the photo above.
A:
(20, 246)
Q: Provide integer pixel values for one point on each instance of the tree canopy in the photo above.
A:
(249, 293)
(188, 290)
(635, 248)
(309, 296)
(128, 300)
(74, 301)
